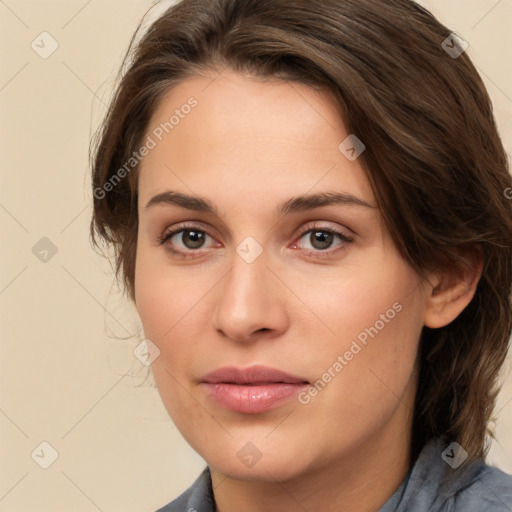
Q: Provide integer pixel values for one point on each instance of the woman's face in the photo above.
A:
(312, 288)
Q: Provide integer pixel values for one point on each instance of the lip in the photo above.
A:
(252, 390)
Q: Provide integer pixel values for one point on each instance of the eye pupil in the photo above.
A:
(323, 237)
(196, 237)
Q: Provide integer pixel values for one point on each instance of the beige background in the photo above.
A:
(64, 378)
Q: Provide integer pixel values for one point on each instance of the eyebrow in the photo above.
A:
(292, 205)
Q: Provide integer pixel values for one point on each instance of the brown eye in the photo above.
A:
(324, 239)
(192, 239)
(321, 240)
(185, 241)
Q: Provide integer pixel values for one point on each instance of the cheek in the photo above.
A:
(378, 381)
(367, 359)
(169, 318)
(372, 299)
(171, 322)
(159, 294)
(173, 308)
(160, 309)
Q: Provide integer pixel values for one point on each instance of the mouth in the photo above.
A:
(251, 390)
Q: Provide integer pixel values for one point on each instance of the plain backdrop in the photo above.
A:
(65, 378)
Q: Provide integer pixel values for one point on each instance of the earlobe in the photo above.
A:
(449, 293)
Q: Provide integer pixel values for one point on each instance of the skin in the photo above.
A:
(248, 146)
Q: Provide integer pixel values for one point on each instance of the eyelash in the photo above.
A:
(191, 254)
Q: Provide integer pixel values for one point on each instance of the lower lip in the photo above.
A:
(252, 399)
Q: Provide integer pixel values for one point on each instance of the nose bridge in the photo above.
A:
(250, 300)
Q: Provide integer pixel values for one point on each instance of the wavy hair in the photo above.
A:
(433, 157)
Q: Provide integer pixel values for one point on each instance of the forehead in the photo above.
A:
(251, 103)
(238, 133)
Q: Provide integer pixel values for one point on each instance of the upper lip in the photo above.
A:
(252, 375)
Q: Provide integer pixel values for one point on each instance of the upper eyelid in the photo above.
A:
(309, 226)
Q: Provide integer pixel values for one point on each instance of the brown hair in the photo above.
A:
(433, 158)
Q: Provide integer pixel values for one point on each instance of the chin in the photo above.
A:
(257, 460)
(274, 470)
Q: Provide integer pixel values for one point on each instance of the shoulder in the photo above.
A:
(197, 498)
(490, 489)
(442, 481)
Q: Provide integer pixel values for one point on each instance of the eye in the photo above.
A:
(186, 241)
(322, 238)
(190, 237)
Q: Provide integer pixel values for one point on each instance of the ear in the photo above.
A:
(450, 291)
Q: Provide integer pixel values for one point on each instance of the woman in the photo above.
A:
(307, 200)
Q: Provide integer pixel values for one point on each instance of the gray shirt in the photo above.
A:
(431, 485)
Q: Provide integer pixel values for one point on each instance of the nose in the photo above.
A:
(251, 302)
